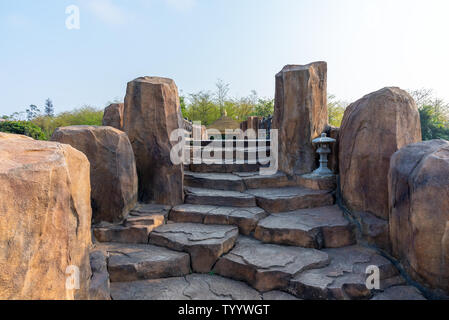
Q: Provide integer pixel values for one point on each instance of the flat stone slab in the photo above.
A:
(142, 262)
(122, 234)
(191, 287)
(316, 182)
(223, 168)
(400, 293)
(219, 181)
(253, 180)
(268, 267)
(245, 218)
(148, 214)
(204, 243)
(219, 198)
(278, 295)
(276, 200)
(344, 278)
(323, 227)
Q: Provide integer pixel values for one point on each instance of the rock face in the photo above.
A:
(45, 218)
(113, 168)
(152, 112)
(300, 114)
(113, 116)
(374, 128)
(419, 214)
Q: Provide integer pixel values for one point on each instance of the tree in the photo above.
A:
(264, 108)
(203, 108)
(32, 112)
(49, 110)
(336, 110)
(182, 103)
(221, 94)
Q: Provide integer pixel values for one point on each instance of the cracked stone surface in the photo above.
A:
(204, 243)
(344, 278)
(278, 295)
(400, 293)
(122, 234)
(191, 287)
(253, 180)
(245, 218)
(316, 182)
(317, 228)
(141, 262)
(276, 200)
(219, 198)
(219, 181)
(99, 287)
(268, 267)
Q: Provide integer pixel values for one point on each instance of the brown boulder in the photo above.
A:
(113, 170)
(113, 116)
(334, 133)
(152, 112)
(419, 211)
(45, 218)
(300, 114)
(374, 128)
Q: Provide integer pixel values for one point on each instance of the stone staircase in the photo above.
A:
(242, 236)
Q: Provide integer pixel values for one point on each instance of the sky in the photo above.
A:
(367, 44)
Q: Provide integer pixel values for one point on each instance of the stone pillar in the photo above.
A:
(152, 112)
(300, 115)
(113, 116)
(374, 128)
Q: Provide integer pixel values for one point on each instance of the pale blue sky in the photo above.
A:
(368, 45)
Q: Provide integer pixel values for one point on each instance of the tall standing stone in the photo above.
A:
(45, 219)
(373, 129)
(300, 114)
(152, 111)
(113, 116)
(113, 168)
(419, 211)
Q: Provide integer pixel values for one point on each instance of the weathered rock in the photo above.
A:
(400, 293)
(204, 243)
(374, 230)
(45, 218)
(113, 116)
(143, 262)
(276, 200)
(419, 211)
(245, 218)
(374, 128)
(132, 233)
(191, 287)
(317, 182)
(224, 168)
(278, 295)
(152, 112)
(344, 278)
(267, 267)
(219, 197)
(300, 115)
(152, 215)
(334, 133)
(99, 283)
(317, 228)
(113, 169)
(219, 181)
(254, 180)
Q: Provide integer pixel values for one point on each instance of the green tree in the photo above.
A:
(32, 112)
(22, 127)
(336, 110)
(264, 108)
(221, 94)
(49, 109)
(202, 108)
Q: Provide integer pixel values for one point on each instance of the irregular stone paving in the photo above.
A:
(344, 278)
(220, 168)
(268, 267)
(219, 198)
(220, 181)
(191, 287)
(204, 243)
(400, 293)
(254, 180)
(323, 227)
(141, 262)
(245, 218)
(276, 200)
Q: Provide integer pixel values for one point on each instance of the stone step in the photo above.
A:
(223, 167)
(274, 200)
(137, 226)
(219, 181)
(324, 227)
(316, 182)
(191, 287)
(219, 197)
(268, 267)
(404, 293)
(344, 278)
(204, 243)
(253, 180)
(245, 218)
(128, 262)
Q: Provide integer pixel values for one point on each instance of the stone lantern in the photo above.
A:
(324, 149)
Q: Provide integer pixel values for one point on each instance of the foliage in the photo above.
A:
(32, 112)
(336, 110)
(434, 114)
(49, 109)
(22, 127)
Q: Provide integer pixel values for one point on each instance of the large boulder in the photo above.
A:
(419, 211)
(113, 169)
(45, 219)
(152, 112)
(374, 128)
(113, 116)
(300, 115)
